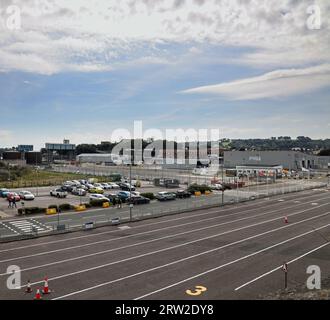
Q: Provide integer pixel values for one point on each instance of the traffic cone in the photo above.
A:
(38, 295)
(46, 288)
(28, 287)
(286, 220)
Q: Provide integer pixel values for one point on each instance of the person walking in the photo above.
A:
(119, 203)
(9, 202)
(14, 202)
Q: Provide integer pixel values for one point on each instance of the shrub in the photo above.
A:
(65, 207)
(138, 184)
(198, 188)
(97, 203)
(31, 210)
(148, 195)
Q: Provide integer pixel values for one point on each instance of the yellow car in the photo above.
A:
(96, 190)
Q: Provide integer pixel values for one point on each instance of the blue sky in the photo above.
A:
(84, 83)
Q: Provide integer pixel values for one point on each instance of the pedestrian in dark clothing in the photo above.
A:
(14, 203)
(9, 203)
(114, 201)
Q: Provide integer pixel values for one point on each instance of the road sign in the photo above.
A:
(115, 221)
(89, 225)
(285, 267)
(285, 270)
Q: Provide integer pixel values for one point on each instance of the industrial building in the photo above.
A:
(21, 158)
(102, 158)
(60, 151)
(290, 160)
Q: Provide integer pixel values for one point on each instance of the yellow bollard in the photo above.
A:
(51, 211)
(106, 204)
(80, 208)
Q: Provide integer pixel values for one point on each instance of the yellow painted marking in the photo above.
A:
(197, 292)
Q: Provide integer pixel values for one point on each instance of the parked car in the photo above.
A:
(138, 200)
(112, 197)
(217, 186)
(89, 186)
(13, 195)
(26, 195)
(96, 190)
(4, 192)
(59, 193)
(126, 186)
(105, 186)
(68, 187)
(97, 196)
(123, 195)
(79, 191)
(113, 185)
(165, 196)
(183, 194)
(98, 185)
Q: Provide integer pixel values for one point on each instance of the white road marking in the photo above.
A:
(140, 243)
(167, 249)
(9, 228)
(26, 226)
(155, 223)
(124, 228)
(189, 258)
(279, 267)
(166, 228)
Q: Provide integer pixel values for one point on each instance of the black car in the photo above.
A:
(138, 200)
(68, 188)
(183, 194)
(126, 187)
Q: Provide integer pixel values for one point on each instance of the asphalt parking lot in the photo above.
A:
(235, 252)
(43, 199)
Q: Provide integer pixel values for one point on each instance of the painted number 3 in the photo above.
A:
(197, 292)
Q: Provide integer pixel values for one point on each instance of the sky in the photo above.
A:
(80, 69)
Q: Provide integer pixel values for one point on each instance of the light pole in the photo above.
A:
(130, 189)
(237, 185)
(130, 184)
(58, 217)
(223, 188)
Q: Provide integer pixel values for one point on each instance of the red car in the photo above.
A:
(12, 195)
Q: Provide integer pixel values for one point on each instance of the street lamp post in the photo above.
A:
(223, 188)
(58, 217)
(130, 189)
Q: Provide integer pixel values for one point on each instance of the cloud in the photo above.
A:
(279, 83)
(5, 136)
(88, 35)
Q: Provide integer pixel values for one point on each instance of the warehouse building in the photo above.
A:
(290, 160)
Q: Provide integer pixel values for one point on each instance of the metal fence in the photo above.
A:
(138, 213)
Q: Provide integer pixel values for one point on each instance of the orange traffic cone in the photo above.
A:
(286, 220)
(28, 287)
(38, 295)
(46, 288)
